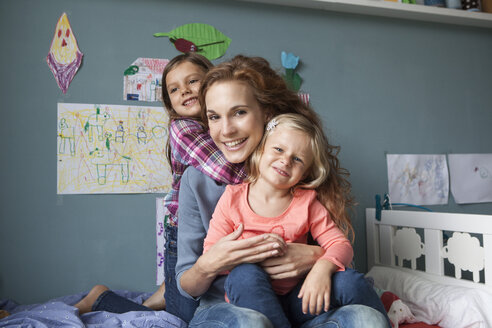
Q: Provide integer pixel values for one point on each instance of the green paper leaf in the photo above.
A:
(202, 35)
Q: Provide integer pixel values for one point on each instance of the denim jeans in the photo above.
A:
(176, 303)
(110, 302)
(349, 316)
(225, 315)
(249, 286)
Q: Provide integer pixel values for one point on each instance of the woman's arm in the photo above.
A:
(225, 255)
(195, 273)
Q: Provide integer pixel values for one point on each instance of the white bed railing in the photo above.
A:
(395, 238)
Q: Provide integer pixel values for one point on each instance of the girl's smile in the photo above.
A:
(287, 157)
(183, 83)
(235, 119)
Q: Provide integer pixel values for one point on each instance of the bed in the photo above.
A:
(437, 265)
(59, 312)
(412, 257)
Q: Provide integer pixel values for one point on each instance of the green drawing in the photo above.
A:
(96, 122)
(104, 158)
(66, 134)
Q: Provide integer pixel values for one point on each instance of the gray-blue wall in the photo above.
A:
(381, 85)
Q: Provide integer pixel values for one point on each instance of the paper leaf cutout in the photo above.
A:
(207, 40)
(64, 58)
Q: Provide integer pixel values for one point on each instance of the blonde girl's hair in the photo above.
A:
(191, 57)
(325, 174)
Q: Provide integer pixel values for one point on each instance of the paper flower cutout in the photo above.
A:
(290, 62)
(196, 37)
(64, 58)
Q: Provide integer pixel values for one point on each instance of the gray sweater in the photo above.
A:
(198, 196)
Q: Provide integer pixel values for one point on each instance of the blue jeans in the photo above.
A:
(110, 302)
(349, 316)
(249, 286)
(224, 315)
(176, 303)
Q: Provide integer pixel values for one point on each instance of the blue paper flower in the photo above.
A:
(289, 60)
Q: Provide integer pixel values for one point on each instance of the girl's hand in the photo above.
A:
(228, 252)
(315, 291)
(296, 262)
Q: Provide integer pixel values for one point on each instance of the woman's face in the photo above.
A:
(235, 119)
(183, 83)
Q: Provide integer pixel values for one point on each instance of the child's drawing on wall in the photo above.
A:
(113, 149)
(471, 178)
(418, 179)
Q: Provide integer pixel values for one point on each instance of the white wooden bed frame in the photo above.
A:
(384, 243)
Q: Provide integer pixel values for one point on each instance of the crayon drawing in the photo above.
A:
(142, 80)
(64, 58)
(160, 216)
(471, 178)
(111, 149)
(418, 179)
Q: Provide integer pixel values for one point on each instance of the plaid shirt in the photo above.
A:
(192, 145)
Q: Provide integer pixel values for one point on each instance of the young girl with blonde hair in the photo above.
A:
(291, 161)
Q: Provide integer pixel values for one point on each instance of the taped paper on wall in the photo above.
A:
(142, 80)
(471, 177)
(160, 238)
(418, 179)
(111, 149)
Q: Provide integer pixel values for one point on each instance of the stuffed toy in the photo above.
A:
(398, 312)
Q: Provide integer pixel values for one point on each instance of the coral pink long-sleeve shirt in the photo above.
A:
(305, 213)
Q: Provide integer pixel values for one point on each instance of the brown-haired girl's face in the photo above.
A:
(183, 83)
(235, 119)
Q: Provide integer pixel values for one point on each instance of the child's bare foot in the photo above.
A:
(85, 304)
(156, 301)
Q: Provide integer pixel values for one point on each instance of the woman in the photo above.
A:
(237, 130)
(238, 97)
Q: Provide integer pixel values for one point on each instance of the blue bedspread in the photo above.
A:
(59, 312)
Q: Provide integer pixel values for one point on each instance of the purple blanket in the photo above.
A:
(59, 312)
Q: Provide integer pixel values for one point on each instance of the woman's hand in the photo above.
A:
(227, 253)
(315, 291)
(296, 262)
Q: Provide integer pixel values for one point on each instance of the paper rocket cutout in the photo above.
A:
(64, 58)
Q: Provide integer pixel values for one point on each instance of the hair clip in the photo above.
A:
(271, 125)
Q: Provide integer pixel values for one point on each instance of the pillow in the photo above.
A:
(436, 303)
